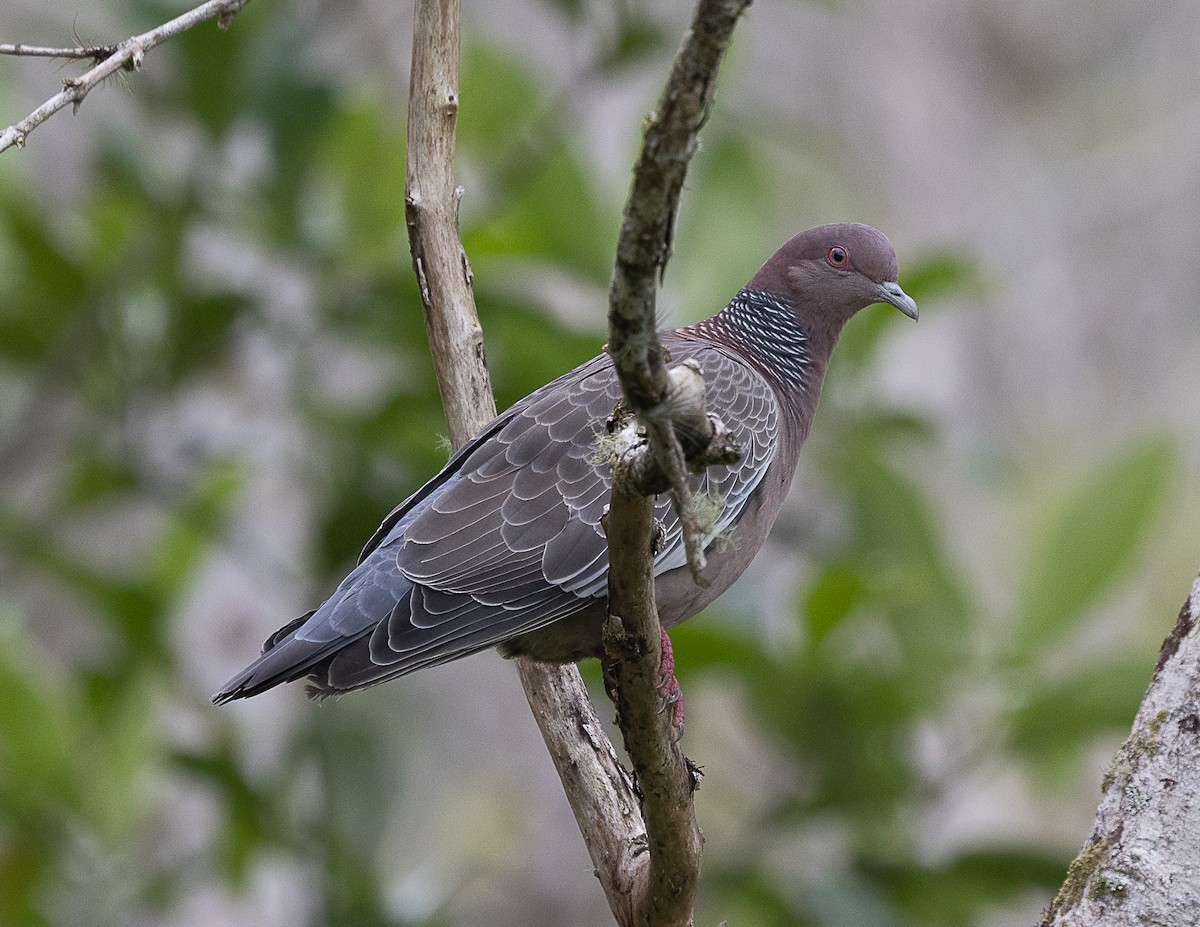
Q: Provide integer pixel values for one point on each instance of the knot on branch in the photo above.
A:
(619, 645)
(653, 451)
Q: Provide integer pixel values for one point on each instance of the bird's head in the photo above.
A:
(830, 272)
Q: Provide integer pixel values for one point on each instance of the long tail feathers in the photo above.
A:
(284, 658)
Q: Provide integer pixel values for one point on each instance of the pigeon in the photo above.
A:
(505, 546)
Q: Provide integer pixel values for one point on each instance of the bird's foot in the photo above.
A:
(668, 686)
(618, 647)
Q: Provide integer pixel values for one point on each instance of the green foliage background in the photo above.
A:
(110, 325)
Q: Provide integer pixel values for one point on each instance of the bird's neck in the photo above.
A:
(764, 330)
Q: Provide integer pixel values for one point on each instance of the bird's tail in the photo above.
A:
(284, 658)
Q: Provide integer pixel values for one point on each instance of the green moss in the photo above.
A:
(1136, 747)
(1116, 770)
(608, 446)
(1079, 873)
(708, 508)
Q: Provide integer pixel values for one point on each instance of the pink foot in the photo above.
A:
(668, 685)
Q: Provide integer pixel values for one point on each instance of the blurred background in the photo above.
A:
(214, 384)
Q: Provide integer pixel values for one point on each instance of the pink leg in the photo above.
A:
(668, 685)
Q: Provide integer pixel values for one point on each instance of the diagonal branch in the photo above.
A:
(127, 54)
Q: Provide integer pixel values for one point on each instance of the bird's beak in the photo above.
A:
(890, 292)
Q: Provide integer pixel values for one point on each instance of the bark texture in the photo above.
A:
(431, 207)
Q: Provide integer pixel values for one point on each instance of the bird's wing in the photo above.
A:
(514, 541)
(507, 538)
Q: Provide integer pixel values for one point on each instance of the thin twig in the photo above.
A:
(129, 53)
(96, 53)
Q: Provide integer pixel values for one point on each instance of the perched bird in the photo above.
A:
(504, 547)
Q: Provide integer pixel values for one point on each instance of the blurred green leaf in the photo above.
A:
(37, 732)
(252, 809)
(897, 552)
(551, 214)
(199, 332)
(350, 210)
(708, 642)
(193, 529)
(830, 598)
(43, 294)
(1065, 714)
(637, 40)
(731, 189)
(96, 476)
(294, 104)
(509, 330)
(130, 606)
(938, 275)
(114, 753)
(499, 95)
(358, 773)
(757, 898)
(952, 894)
(208, 60)
(1093, 541)
(24, 865)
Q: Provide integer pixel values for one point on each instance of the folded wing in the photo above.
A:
(507, 538)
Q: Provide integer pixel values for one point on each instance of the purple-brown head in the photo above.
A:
(830, 272)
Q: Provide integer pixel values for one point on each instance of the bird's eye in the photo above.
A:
(837, 257)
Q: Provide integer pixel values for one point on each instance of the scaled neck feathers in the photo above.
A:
(762, 328)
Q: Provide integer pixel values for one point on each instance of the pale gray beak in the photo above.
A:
(890, 292)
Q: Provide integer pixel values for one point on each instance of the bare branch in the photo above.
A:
(127, 54)
(431, 207)
(644, 246)
(660, 399)
(1134, 868)
(96, 53)
(666, 887)
(598, 789)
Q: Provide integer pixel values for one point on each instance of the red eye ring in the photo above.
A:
(837, 256)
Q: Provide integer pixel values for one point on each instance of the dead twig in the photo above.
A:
(127, 54)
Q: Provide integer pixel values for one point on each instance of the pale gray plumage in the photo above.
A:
(504, 546)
